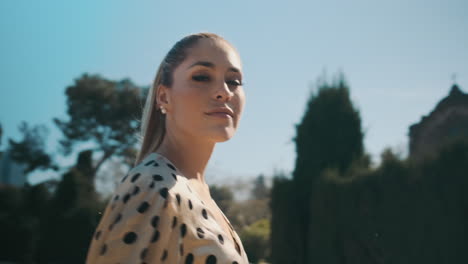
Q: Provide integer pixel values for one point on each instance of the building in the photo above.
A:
(11, 172)
(448, 122)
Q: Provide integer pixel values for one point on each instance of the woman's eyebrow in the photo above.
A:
(234, 69)
(203, 63)
(211, 65)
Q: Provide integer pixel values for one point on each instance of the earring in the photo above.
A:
(163, 110)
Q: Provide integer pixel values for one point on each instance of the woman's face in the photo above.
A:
(208, 79)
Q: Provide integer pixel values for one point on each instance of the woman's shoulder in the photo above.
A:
(150, 181)
(153, 172)
(140, 213)
(153, 167)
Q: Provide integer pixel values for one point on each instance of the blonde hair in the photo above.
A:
(153, 122)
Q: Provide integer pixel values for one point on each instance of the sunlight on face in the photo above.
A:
(210, 77)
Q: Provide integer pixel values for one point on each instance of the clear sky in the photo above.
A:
(398, 57)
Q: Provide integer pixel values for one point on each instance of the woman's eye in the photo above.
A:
(200, 78)
(234, 82)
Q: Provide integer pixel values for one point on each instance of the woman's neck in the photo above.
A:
(189, 155)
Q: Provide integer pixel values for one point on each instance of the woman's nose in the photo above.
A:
(223, 92)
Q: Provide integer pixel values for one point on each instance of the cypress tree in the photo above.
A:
(328, 137)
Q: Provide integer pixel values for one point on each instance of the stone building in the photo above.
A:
(448, 122)
(11, 172)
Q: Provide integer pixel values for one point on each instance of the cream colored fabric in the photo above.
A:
(155, 217)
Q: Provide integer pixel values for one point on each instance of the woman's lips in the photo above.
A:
(220, 115)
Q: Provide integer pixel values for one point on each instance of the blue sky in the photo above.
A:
(398, 58)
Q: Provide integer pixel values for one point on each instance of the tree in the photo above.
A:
(260, 190)
(223, 197)
(255, 239)
(285, 232)
(330, 134)
(104, 112)
(1, 134)
(31, 149)
(72, 216)
(12, 224)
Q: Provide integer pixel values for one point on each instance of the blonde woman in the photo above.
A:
(162, 211)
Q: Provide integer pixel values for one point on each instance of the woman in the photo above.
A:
(162, 211)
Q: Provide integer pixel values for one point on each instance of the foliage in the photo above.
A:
(31, 149)
(244, 213)
(20, 224)
(223, 197)
(52, 222)
(73, 211)
(1, 134)
(255, 239)
(285, 231)
(401, 212)
(104, 112)
(260, 190)
(328, 137)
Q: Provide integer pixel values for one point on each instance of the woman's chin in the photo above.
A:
(223, 135)
(222, 140)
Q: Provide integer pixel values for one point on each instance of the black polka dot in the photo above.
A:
(126, 198)
(211, 259)
(189, 259)
(190, 204)
(181, 249)
(155, 236)
(111, 226)
(135, 177)
(235, 262)
(151, 185)
(143, 253)
(164, 255)
(136, 190)
(200, 232)
(103, 249)
(174, 222)
(97, 235)
(118, 218)
(116, 197)
(171, 166)
(155, 164)
(205, 214)
(237, 246)
(124, 178)
(143, 207)
(149, 163)
(130, 237)
(183, 230)
(178, 198)
(174, 176)
(157, 177)
(163, 192)
(221, 239)
(155, 221)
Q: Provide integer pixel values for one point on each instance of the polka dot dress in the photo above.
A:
(155, 217)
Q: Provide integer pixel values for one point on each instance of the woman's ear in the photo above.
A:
(162, 96)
